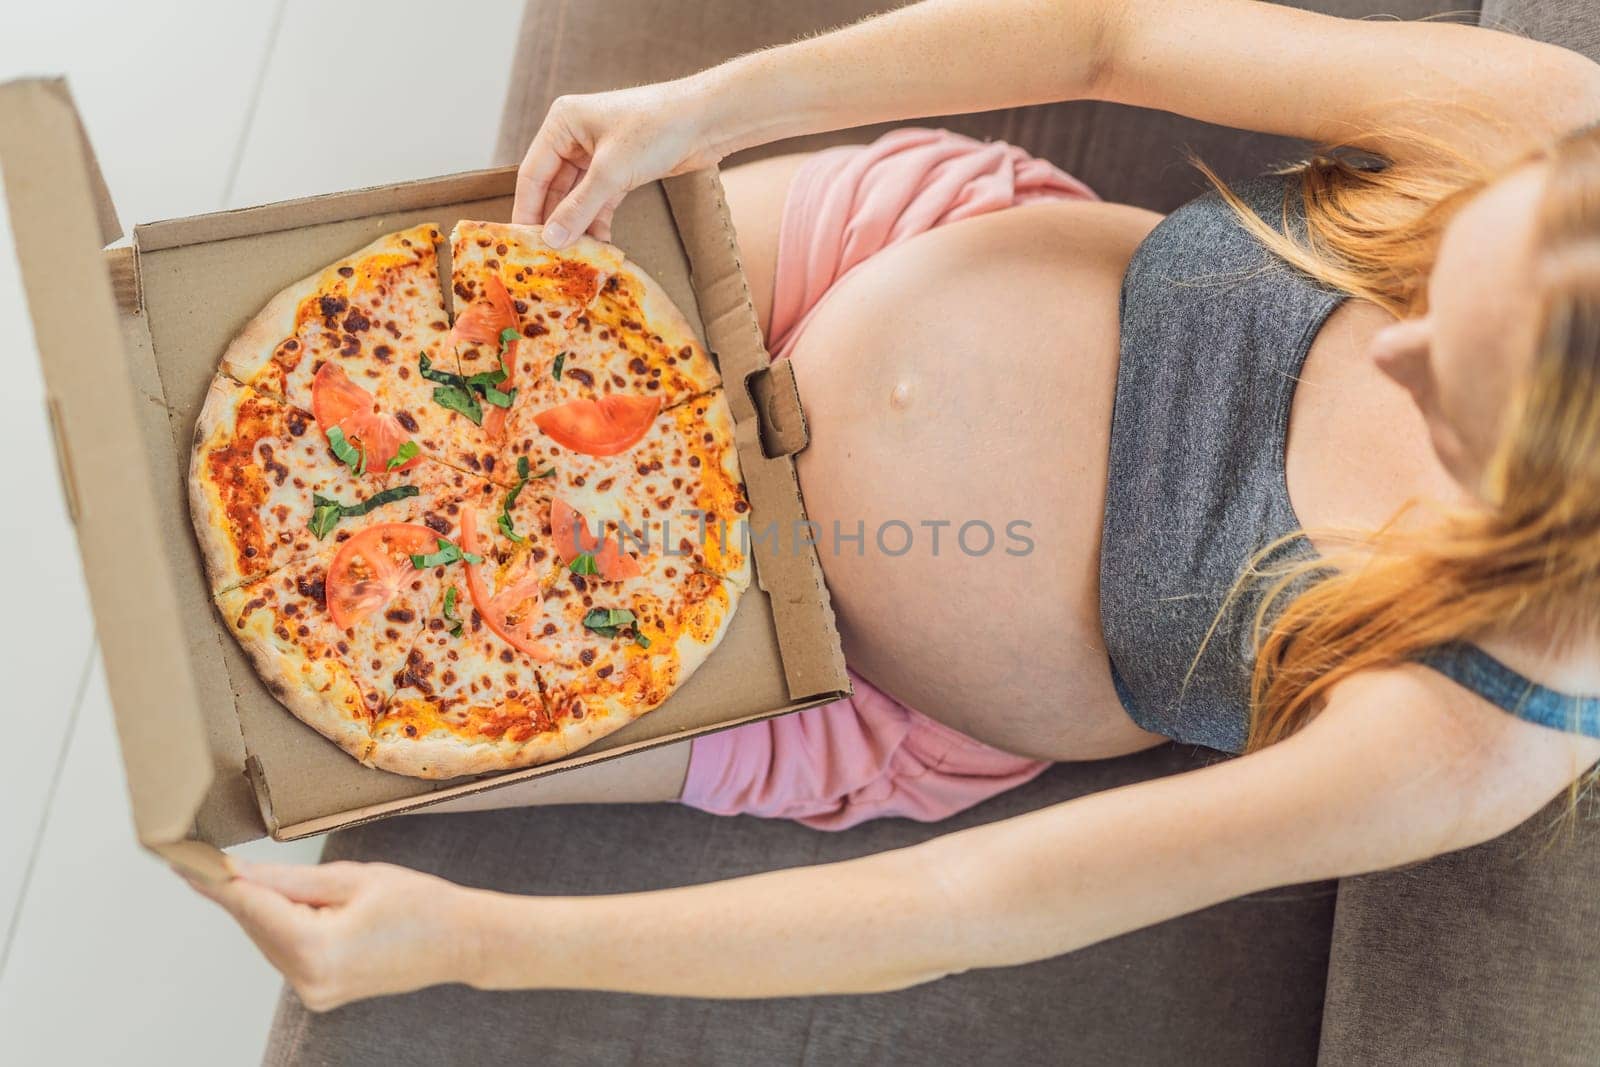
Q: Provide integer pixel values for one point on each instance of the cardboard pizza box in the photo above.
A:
(129, 336)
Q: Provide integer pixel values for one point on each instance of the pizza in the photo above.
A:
(466, 525)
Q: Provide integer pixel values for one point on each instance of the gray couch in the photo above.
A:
(1486, 956)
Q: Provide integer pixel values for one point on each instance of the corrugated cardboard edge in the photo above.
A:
(734, 334)
(61, 220)
(394, 198)
(373, 812)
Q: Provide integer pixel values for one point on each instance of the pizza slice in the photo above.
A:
(630, 340)
(623, 336)
(512, 296)
(267, 488)
(469, 699)
(619, 649)
(639, 481)
(346, 345)
(550, 326)
(331, 633)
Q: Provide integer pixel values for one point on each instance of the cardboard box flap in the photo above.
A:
(61, 219)
(765, 403)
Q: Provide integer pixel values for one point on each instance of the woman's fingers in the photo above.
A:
(317, 884)
(272, 920)
(581, 207)
(600, 228)
(533, 180)
(565, 178)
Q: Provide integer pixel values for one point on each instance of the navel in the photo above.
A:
(900, 396)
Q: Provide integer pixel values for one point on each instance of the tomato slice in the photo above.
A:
(500, 612)
(614, 423)
(573, 538)
(337, 401)
(372, 567)
(485, 317)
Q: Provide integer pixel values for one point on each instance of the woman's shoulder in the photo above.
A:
(1434, 711)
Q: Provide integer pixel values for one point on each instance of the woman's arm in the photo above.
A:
(1401, 766)
(1238, 63)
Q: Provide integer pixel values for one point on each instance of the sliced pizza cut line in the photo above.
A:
(469, 700)
(676, 491)
(529, 659)
(369, 317)
(267, 489)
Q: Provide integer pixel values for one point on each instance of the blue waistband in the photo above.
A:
(1472, 668)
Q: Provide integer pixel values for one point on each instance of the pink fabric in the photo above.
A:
(848, 203)
(869, 756)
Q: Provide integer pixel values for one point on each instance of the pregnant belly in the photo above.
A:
(958, 390)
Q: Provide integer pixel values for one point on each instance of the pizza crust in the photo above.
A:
(445, 755)
(675, 329)
(254, 346)
(285, 668)
(205, 506)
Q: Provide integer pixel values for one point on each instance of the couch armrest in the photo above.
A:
(1487, 955)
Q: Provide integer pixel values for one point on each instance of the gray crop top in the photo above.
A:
(1215, 330)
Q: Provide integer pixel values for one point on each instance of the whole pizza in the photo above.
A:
(458, 543)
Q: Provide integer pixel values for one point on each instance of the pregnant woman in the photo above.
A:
(1308, 471)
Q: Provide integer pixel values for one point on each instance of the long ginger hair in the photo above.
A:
(1533, 556)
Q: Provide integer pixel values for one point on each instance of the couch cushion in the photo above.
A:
(1240, 983)
(1573, 24)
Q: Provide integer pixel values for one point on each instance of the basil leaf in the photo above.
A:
(641, 640)
(404, 454)
(325, 515)
(548, 472)
(459, 400)
(508, 335)
(377, 500)
(326, 512)
(561, 361)
(583, 564)
(443, 377)
(491, 395)
(347, 453)
(448, 553)
(450, 596)
(487, 378)
(506, 527)
(607, 621)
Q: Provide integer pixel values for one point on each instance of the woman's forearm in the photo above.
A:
(1011, 892)
(936, 57)
(867, 925)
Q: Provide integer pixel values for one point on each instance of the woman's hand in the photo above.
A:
(593, 150)
(345, 931)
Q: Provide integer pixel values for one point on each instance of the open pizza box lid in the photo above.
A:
(129, 338)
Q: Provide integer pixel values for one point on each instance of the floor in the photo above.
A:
(192, 106)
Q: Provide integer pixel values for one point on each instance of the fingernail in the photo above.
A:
(555, 235)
